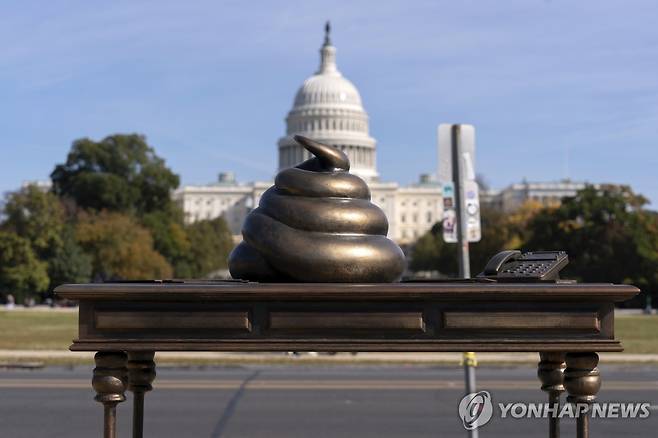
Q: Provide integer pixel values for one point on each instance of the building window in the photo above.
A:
(415, 218)
(403, 218)
(429, 217)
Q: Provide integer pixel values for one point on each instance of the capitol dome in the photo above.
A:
(328, 108)
(326, 89)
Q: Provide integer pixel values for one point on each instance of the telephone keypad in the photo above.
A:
(535, 266)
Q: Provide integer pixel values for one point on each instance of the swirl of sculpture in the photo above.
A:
(317, 224)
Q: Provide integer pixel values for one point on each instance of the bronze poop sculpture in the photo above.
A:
(317, 224)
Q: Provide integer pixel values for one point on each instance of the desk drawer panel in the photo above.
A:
(146, 320)
(582, 321)
(371, 321)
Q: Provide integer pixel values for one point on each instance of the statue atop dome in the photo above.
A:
(327, 31)
(328, 55)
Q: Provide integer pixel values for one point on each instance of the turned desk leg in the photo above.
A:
(141, 373)
(550, 371)
(109, 382)
(582, 380)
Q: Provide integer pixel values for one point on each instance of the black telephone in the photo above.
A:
(530, 266)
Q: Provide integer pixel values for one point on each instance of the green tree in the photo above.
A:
(122, 173)
(40, 217)
(210, 244)
(426, 251)
(69, 263)
(119, 173)
(645, 236)
(517, 222)
(431, 253)
(607, 233)
(169, 235)
(497, 235)
(37, 216)
(120, 248)
(21, 273)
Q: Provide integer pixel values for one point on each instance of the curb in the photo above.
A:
(32, 358)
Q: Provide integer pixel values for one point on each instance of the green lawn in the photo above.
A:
(46, 330)
(638, 333)
(37, 330)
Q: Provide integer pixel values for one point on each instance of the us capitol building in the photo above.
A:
(327, 108)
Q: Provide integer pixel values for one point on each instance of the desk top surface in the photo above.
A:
(235, 290)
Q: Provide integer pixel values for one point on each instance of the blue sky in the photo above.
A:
(555, 88)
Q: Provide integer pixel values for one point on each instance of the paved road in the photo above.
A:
(300, 401)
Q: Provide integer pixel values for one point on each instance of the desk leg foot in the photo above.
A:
(109, 382)
(550, 371)
(582, 380)
(141, 373)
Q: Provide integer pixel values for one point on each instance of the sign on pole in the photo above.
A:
(471, 201)
(445, 151)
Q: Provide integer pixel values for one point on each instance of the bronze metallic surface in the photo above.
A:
(317, 224)
(341, 317)
(582, 377)
(550, 371)
(248, 316)
(582, 380)
(109, 381)
(141, 373)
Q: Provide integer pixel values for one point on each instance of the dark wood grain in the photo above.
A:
(346, 321)
(183, 320)
(586, 321)
(207, 316)
(382, 345)
(368, 291)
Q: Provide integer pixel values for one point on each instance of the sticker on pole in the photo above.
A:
(449, 213)
(472, 211)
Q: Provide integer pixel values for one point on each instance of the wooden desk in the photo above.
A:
(125, 323)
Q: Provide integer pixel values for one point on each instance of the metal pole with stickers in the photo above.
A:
(461, 209)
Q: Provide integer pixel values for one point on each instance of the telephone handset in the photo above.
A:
(514, 265)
